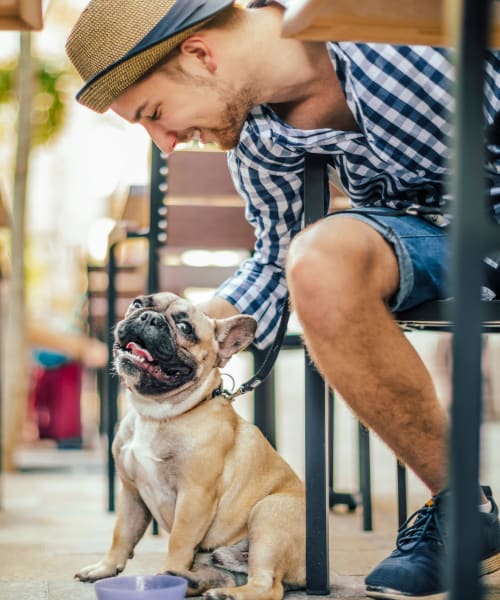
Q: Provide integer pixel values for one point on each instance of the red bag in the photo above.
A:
(56, 400)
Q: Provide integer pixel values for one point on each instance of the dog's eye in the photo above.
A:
(137, 303)
(185, 327)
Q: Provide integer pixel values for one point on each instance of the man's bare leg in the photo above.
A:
(341, 272)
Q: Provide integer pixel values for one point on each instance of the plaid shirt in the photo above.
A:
(401, 97)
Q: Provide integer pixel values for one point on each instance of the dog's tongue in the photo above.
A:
(139, 351)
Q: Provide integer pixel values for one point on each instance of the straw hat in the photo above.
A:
(114, 42)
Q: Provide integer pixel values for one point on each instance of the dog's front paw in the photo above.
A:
(104, 568)
(193, 588)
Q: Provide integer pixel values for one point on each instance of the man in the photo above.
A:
(206, 69)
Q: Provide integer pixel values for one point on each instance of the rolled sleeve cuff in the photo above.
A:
(258, 291)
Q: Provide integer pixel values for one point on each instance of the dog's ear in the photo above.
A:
(233, 334)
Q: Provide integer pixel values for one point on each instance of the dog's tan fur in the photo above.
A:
(207, 476)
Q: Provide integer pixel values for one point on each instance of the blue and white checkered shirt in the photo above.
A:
(401, 98)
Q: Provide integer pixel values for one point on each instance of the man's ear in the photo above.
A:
(233, 335)
(197, 47)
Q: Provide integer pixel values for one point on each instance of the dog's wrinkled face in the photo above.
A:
(165, 343)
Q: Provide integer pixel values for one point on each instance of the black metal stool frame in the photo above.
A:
(473, 236)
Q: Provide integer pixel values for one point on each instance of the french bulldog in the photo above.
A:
(233, 508)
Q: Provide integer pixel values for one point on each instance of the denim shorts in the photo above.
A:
(422, 250)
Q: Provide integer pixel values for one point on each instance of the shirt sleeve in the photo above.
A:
(492, 114)
(270, 179)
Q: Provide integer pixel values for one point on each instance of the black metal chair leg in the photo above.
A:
(335, 498)
(402, 493)
(317, 551)
(316, 408)
(365, 477)
(112, 384)
(264, 409)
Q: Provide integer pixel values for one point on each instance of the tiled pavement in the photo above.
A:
(54, 521)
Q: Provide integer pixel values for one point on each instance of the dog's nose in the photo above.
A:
(152, 318)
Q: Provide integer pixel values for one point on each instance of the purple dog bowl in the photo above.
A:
(141, 587)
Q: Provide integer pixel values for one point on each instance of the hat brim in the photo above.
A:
(102, 90)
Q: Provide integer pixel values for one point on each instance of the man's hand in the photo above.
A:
(217, 308)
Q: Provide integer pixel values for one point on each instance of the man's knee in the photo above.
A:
(304, 260)
(343, 258)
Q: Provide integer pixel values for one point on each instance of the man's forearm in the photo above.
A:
(218, 308)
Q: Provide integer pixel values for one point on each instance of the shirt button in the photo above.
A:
(421, 173)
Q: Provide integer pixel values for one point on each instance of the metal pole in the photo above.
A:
(468, 248)
(316, 417)
(365, 478)
(157, 236)
(317, 550)
(112, 384)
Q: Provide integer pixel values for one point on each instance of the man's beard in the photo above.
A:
(227, 135)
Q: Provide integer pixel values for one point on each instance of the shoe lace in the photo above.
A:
(423, 523)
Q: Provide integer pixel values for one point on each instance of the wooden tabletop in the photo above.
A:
(21, 15)
(390, 21)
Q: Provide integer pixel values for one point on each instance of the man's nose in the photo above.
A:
(166, 141)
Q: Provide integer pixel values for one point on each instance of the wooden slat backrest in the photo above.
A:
(203, 207)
